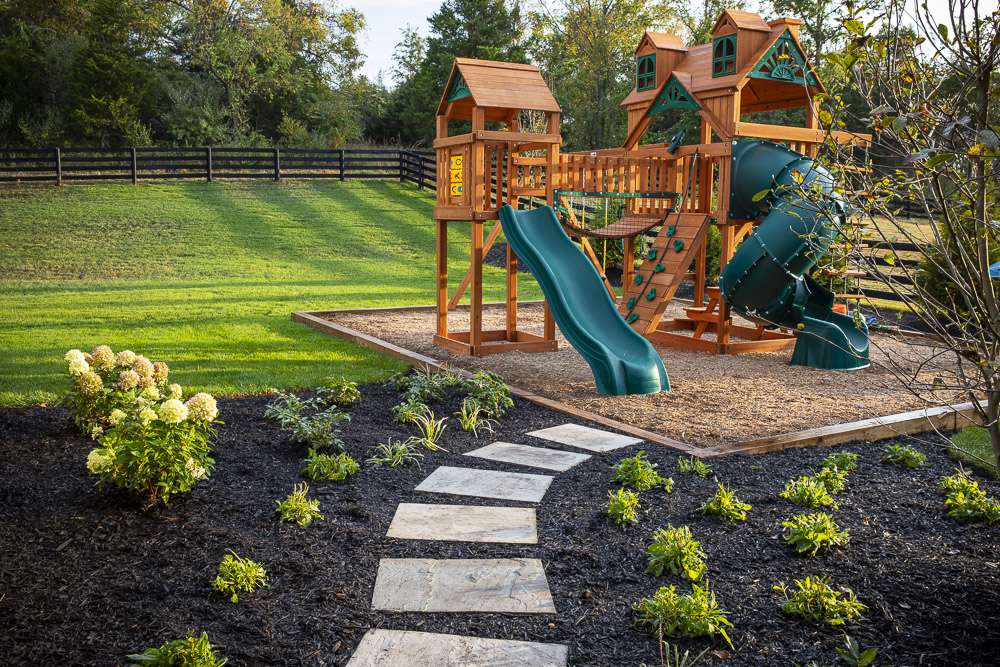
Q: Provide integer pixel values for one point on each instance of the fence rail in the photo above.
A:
(59, 165)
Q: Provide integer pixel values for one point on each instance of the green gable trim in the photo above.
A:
(458, 89)
(645, 72)
(673, 96)
(724, 55)
(784, 61)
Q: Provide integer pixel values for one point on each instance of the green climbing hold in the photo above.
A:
(651, 254)
(658, 268)
(638, 279)
(678, 245)
(631, 303)
(632, 318)
(650, 294)
(671, 230)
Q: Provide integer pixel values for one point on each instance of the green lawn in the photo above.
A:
(204, 276)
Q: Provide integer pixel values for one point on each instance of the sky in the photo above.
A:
(385, 19)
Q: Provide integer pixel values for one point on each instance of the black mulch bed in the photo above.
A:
(87, 577)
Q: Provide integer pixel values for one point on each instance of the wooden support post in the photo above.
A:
(277, 165)
(59, 166)
(208, 164)
(341, 164)
(442, 278)
(467, 278)
(135, 167)
(701, 272)
(724, 322)
(549, 332)
(511, 293)
(628, 264)
(476, 301)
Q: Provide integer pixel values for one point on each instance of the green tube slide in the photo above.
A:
(623, 362)
(767, 280)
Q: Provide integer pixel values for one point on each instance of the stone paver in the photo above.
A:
(464, 523)
(526, 455)
(504, 585)
(584, 437)
(403, 648)
(487, 484)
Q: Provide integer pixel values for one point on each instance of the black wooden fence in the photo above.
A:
(60, 165)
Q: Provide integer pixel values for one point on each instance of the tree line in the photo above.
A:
(288, 72)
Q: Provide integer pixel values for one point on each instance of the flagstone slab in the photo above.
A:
(500, 585)
(464, 523)
(584, 437)
(404, 648)
(526, 455)
(487, 484)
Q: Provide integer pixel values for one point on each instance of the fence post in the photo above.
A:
(135, 168)
(58, 166)
(420, 172)
(208, 164)
(277, 165)
(401, 155)
(341, 164)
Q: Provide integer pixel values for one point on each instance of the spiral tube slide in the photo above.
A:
(623, 362)
(767, 279)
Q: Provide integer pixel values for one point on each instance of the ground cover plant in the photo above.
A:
(814, 599)
(188, 652)
(329, 467)
(676, 551)
(238, 575)
(694, 466)
(845, 461)
(967, 502)
(395, 453)
(623, 507)
(298, 507)
(809, 534)
(310, 422)
(637, 473)
(903, 455)
(808, 491)
(668, 613)
(726, 504)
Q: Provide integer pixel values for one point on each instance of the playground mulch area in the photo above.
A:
(715, 400)
(87, 577)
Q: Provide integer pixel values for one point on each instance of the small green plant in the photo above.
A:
(471, 418)
(329, 467)
(339, 391)
(287, 408)
(726, 504)
(395, 453)
(238, 575)
(812, 598)
(318, 430)
(491, 392)
(189, 652)
(637, 473)
(298, 508)
(670, 614)
(409, 411)
(676, 551)
(833, 478)
(811, 533)
(903, 455)
(972, 446)
(846, 461)
(853, 655)
(693, 465)
(431, 429)
(623, 507)
(808, 492)
(968, 503)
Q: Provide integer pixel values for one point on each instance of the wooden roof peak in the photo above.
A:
(742, 20)
(662, 40)
(492, 84)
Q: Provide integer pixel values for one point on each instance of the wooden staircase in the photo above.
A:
(663, 268)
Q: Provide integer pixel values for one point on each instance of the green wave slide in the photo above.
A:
(767, 280)
(623, 362)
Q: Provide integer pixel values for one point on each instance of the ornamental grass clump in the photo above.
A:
(637, 473)
(968, 503)
(623, 507)
(675, 550)
(238, 575)
(695, 466)
(809, 534)
(670, 614)
(726, 504)
(298, 507)
(395, 453)
(329, 467)
(472, 418)
(808, 492)
(431, 429)
(188, 652)
(903, 455)
(813, 599)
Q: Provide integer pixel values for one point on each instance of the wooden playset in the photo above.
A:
(675, 191)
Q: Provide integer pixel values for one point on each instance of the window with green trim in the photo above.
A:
(724, 55)
(645, 72)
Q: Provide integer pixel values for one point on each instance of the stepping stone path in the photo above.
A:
(526, 455)
(464, 523)
(466, 585)
(402, 648)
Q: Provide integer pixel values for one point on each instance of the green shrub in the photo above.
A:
(814, 600)
(973, 446)
(318, 430)
(669, 614)
(968, 503)
(637, 473)
(328, 467)
(339, 391)
(846, 461)
(395, 453)
(903, 455)
(726, 504)
(298, 508)
(693, 465)
(160, 450)
(238, 575)
(491, 392)
(190, 652)
(833, 479)
(811, 533)
(808, 492)
(409, 411)
(471, 418)
(676, 551)
(431, 429)
(422, 387)
(623, 507)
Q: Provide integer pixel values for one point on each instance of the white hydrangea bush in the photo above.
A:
(151, 441)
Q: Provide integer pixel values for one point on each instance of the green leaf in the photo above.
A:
(854, 26)
(943, 31)
(867, 657)
(760, 195)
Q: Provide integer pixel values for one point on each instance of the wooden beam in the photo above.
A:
(457, 140)
(442, 278)
(464, 284)
(806, 134)
(515, 137)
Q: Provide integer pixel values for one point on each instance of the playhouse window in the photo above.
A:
(724, 55)
(645, 72)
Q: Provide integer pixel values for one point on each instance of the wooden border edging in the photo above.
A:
(944, 417)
